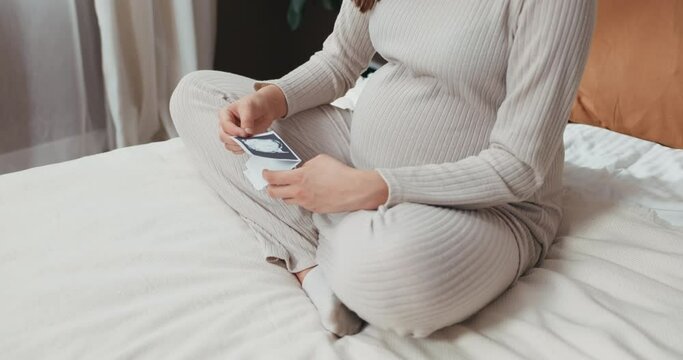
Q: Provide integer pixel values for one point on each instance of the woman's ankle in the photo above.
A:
(302, 274)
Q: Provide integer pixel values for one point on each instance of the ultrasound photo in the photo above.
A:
(267, 145)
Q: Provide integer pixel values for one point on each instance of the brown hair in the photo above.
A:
(365, 5)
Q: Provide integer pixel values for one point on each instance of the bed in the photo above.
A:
(129, 254)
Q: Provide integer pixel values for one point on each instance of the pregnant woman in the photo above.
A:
(439, 190)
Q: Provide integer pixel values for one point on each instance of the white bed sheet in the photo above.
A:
(606, 165)
(128, 254)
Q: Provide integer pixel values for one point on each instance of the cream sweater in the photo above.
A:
(470, 110)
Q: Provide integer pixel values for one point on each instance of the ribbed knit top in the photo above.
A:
(469, 111)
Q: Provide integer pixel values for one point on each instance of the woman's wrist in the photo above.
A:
(377, 190)
(275, 100)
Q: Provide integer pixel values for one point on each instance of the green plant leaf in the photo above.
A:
(296, 10)
(294, 13)
(331, 5)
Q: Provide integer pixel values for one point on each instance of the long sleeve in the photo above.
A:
(546, 60)
(330, 72)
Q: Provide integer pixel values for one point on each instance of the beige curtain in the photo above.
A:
(147, 46)
(51, 88)
(78, 77)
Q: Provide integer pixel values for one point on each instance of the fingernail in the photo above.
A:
(248, 130)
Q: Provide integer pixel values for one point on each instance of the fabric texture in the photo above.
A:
(144, 260)
(467, 116)
(633, 82)
(52, 104)
(334, 315)
(147, 46)
(411, 268)
(611, 167)
(82, 77)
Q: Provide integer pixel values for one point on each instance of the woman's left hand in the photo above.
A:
(326, 185)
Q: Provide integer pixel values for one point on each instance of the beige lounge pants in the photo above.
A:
(410, 268)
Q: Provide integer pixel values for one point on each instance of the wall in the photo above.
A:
(254, 39)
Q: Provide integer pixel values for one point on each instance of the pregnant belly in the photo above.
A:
(405, 121)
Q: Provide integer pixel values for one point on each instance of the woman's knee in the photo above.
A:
(207, 88)
(410, 279)
(379, 271)
(190, 85)
(196, 102)
(184, 97)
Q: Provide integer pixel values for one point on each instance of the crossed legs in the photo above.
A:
(411, 268)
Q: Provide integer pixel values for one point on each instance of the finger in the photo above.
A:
(232, 129)
(235, 151)
(228, 140)
(287, 177)
(234, 148)
(246, 117)
(230, 124)
(230, 143)
(223, 114)
(281, 192)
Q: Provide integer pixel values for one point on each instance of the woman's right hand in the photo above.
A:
(252, 114)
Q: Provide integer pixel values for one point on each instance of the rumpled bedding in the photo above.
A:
(130, 255)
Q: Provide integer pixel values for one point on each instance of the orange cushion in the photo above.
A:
(633, 82)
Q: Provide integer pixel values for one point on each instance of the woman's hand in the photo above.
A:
(251, 115)
(325, 185)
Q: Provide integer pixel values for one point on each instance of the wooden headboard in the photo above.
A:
(633, 82)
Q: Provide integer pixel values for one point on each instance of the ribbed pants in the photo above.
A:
(411, 268)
